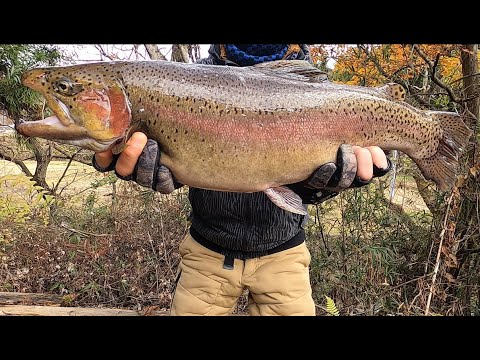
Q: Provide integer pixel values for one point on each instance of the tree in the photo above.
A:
(22, 103)
(437, 77)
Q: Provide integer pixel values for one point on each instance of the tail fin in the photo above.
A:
(442, 166)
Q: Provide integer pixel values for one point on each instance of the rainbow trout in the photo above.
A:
(242, 129)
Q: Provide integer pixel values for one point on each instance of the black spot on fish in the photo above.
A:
(162, 131)
(186, 132)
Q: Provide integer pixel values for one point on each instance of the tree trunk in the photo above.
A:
(154, 52)
(462, 227)
(180, 53)
(471, 85)
(43, 156)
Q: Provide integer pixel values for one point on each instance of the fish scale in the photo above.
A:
(244, 129)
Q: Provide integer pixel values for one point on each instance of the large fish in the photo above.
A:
(242, 129)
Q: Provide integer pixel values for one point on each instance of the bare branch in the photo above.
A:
(65, 171)
(395, 76)
(465, 77)
(439, 253)
(154, 52)
(102, 52)
(432, 67)
(17, 162)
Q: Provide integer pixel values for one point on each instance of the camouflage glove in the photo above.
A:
(148, 171)
(332, 178)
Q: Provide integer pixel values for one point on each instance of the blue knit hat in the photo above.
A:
(251, 54)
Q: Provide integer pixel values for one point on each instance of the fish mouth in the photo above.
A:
(62, 128)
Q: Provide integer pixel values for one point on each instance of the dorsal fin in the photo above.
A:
(300, 70)
(393, 91)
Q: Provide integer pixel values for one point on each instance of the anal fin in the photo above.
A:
(286, 199)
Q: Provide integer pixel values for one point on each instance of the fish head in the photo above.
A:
(90, 105)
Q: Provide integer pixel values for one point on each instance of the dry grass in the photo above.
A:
(115, 245)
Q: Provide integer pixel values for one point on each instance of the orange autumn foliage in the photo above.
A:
(371, 65)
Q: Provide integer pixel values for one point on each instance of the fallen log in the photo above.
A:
(33, 310)
(39, 304)
(16, 298)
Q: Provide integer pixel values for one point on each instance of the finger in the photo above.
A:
(129, 157)
(379, 157)
(364, 163)
(347, 162)
(104, 158)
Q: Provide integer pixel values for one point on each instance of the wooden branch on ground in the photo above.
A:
(26, 310)
(38, 304)
(15, 298)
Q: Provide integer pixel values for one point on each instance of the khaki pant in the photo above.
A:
(278, 284)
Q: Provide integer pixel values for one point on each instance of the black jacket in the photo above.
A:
(243, 225)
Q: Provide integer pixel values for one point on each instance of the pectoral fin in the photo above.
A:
(286, 199)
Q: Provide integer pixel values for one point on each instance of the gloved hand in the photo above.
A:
(355, 167)
(147, 170)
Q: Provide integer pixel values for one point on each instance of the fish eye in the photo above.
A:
(67, 87)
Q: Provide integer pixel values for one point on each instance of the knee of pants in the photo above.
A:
(203, 285)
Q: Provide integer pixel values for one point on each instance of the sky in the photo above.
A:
(88, 52)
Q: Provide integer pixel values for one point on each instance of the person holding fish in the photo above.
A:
(257, 133)
(244, 240)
